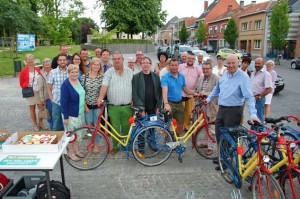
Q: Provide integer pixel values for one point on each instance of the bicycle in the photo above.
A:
(178, 144)
(96, 135)
(204, 140)
(234, 170)
(290, 178)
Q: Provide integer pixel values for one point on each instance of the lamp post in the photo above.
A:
(172, 50)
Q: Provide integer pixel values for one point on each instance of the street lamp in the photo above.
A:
(172, 26)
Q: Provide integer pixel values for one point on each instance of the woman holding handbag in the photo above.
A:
(28, 81)
(43, 93)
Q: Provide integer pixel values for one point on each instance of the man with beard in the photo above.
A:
(56, 79)
(191, 73)
(261, 85)
(173, 83)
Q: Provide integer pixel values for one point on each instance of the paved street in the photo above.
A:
(119, 177)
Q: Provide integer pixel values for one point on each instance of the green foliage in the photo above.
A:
(80, 28)
(132, 16)
(99, 38)
(201, 32)
(183, 34)
(231, 33)
(16, 17)
(279, 24)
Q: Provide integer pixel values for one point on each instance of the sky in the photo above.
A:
(179, 8)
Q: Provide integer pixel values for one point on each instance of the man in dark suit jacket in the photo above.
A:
(146, 89)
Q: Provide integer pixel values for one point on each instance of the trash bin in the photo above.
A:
(17, 65)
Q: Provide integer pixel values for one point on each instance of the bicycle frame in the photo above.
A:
(292, 164)
(198, 124)
(255, 160)
(135, 124)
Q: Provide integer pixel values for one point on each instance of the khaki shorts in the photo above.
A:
(177, 112)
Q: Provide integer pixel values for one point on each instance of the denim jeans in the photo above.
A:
(92, 116)
(260, 107)
(91, 119)
(56, 117)
(49, 107)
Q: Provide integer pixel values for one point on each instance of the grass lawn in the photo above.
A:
(7, 62)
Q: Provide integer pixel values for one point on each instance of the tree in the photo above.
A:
(231, 33)
(81, 27)
(201, 32)
(16, 17)
(279, 24)
(183, 34)
(132, 16)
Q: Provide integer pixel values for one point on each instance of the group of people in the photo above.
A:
(73, 87)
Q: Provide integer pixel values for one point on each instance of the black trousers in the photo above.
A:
(227, 117)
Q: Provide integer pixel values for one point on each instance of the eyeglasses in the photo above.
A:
(146, 63)
(76, 59)
(206, 68)
(131, 62)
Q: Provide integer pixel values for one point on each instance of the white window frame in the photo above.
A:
(257, 44)
(210, 29)
(244, 26)
(257, 24)
(216, 29)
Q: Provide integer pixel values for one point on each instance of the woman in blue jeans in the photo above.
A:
(91, 83)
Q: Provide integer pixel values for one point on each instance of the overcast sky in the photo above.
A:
(179, 8)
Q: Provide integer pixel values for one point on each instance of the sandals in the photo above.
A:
(74, 157)
(42, 127)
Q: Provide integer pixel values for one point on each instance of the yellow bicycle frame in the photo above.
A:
(122, 139)
(191, 131)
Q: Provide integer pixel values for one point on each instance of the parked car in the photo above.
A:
(243, 52)
(217, 50)
(205, 55)
(223, 52)
(184, 48)
(208, 49)
(295, 63)
(279, 82)
(162, 49)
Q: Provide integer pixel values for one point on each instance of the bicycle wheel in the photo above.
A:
(149, 145)
(228, 161)
(265, 186)
(92, 159)
(291, 137)
(287, 186)
(205, 141)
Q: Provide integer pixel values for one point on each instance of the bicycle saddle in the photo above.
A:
(275, 120)
(237, 130)
(138, 108)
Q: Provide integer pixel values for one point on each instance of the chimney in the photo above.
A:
(205, 5)
(229, 8)
(253, 2)
(242, 3)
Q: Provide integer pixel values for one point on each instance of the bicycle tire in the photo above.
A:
(270, 187)
(91, 160)
(203, 142)
(286, 185)
(149, 145)
(291, 137)
(228, 161)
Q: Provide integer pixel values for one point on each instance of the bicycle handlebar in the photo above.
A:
(287, 142)
(201, 102)
(275, 120)
(294, 117)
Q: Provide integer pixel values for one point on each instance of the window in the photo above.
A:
(257, 44)
(221, 28)
(216, 29)
(244, 26)
(221, 42)
(257, 25)
(210, 30)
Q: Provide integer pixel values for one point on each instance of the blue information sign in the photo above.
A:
(25, 42)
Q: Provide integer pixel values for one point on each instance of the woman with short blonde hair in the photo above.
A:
(270, 68)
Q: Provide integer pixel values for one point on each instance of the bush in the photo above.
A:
(123, 41)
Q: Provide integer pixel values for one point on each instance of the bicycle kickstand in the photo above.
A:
(180, 150)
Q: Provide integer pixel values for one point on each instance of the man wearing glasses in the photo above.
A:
(138, 61)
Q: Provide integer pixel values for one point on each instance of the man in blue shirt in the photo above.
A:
(233, 88)
(173, 83)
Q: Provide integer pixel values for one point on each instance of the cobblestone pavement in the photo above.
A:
(119, 177)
